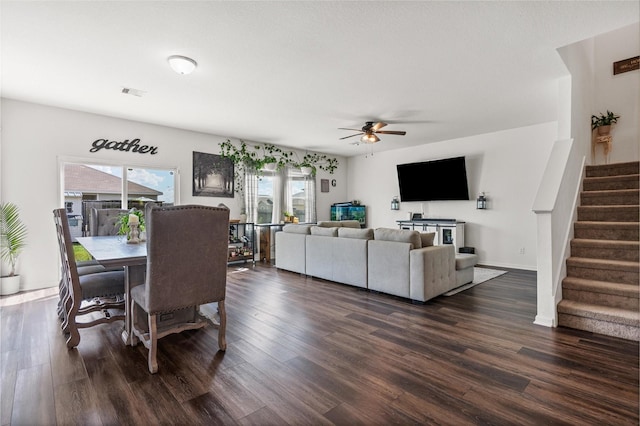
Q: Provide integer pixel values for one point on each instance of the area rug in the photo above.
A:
(480, 275)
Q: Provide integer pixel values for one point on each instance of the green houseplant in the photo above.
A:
(124, 221)
(603, 122)
(13, 237)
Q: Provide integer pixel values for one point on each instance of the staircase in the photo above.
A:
(601, 292)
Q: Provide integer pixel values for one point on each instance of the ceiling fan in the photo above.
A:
(369, 131)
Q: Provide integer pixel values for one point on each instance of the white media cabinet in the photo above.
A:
(448, 231)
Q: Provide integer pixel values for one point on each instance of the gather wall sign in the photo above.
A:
(126, 145)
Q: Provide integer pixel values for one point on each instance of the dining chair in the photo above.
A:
(91, 294)
(187, 250)
(104, 222)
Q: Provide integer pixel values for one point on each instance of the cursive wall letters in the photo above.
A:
(126, 145)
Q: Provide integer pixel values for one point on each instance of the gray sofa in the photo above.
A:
(393, 261)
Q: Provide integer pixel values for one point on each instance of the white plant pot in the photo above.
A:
(9, 285)
(306, 170)
(270, 166)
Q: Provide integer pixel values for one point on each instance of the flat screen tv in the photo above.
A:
(433, 180)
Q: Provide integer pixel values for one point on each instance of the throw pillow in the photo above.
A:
(328, 223)
(427, 238)
(399, 235)
(325, 232)
(360, 234)
(296, 229)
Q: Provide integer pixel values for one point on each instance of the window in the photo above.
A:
(272, 194)
(265, 198)
(297, 198)
(87, 186)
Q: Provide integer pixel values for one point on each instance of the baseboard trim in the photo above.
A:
(545, 321)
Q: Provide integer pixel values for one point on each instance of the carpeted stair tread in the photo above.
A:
(616, 197)
(606, 249)
(619, 231)
(617, 265)
(601, 313)
(629, 168)
(610, 213)
(606, 243)
(594, 286)
(604, 183)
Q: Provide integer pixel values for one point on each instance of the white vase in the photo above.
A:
(9, 285)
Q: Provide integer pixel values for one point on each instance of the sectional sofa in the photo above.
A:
(394, 261)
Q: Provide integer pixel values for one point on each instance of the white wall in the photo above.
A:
(506, 165)
(618, 93)
(34, 137)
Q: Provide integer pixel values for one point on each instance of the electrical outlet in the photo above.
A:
(522, 250)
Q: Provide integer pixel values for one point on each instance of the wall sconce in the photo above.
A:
(395, 204)
(481, 202)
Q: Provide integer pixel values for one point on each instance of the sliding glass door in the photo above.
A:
(86, 186)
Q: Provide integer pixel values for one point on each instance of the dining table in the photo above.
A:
(115, 251)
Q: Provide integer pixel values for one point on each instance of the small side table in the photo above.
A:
(606, 141)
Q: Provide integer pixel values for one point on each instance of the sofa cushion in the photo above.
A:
(297, 229)
(427, 238)
(399, 235)
(326, 232)
(361, 234)
(465, 260)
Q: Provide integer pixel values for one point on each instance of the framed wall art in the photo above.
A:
(212, 175)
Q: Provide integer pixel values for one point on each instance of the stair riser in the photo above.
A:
(604, 233)
(611, 184)
(609, 199)
(601, 299)
(606, 253)
(609, 214)
(608, 275)
(601, 327)
(612, 170)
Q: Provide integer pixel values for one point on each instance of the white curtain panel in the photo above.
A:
(279, 185)
(251, 194)
(310, 198)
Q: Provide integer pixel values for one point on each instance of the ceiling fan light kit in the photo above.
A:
(369, 131)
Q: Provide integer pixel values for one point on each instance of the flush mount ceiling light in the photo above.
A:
(182, 64)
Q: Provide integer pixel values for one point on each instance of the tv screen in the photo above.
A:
(433, 180)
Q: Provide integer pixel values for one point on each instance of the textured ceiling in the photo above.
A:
(291, 73)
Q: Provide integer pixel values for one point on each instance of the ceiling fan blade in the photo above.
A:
(392, 132)
(357, 134)
(379, 125)
(344, 128)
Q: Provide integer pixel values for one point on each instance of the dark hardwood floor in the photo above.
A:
(307, 351)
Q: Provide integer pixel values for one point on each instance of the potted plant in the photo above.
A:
(603, 122)
(124, 221)
(312, 162)
(13, 236)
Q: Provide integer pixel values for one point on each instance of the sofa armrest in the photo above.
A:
(433, 271)
(290, 251)
(388, 267)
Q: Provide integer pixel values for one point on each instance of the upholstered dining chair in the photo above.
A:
(99, 292)
(104, 222)
(187, 250)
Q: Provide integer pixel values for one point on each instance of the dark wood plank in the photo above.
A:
(309, 351)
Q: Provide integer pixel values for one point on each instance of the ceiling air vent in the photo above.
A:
(131, 91)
